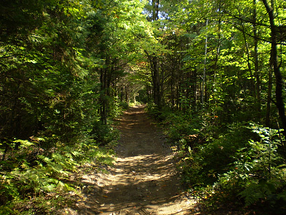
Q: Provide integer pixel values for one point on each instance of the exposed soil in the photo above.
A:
(143, 179)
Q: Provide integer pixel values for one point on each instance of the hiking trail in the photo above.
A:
(143, 179)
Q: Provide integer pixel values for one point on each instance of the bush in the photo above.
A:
(104, 134)
(213, 157)
(256, 176)
(228, 165)
(37, 176)
(124, 105)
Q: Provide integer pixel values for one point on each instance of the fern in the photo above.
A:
(255, 192)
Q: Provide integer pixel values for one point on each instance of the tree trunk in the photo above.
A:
(269, 95)
(156, 82)
(203, 91)
(256, 65)
(275, 66)
(103, 100)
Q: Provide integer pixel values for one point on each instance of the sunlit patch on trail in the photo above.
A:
(143, 179)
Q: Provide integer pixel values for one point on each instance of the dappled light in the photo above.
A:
(142, 107)
(144, 178)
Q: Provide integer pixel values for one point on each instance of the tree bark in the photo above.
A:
(269, 96)
(156, 81)
(275, 66)
(153, 60)
(256, 65)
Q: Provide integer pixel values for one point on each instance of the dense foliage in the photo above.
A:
(212, 72)
(218, 88)
(60, 62)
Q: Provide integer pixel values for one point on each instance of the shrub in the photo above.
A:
(31, 173)
(256, 177)
(214, 157)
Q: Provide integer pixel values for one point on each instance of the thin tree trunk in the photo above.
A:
(153, 60)
(274, 63)
(248, 61)
(269, 95)
(205, 62)
(256, 65)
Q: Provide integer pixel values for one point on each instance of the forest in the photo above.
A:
(211, 73)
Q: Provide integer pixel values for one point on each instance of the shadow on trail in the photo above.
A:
(144, 179)
(139, 186)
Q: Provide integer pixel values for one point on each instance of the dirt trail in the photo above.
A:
(143, 179)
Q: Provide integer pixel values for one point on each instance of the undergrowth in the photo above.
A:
(228, 166)
(37, 180)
